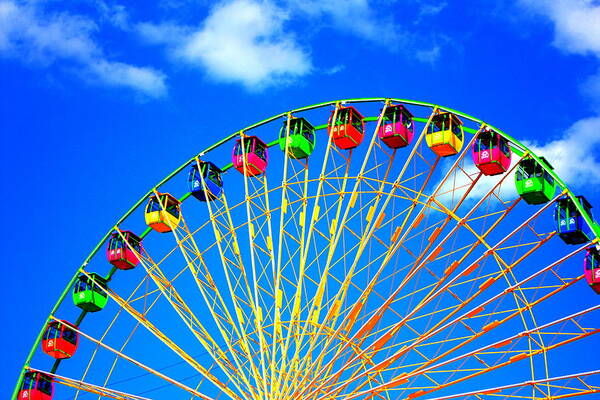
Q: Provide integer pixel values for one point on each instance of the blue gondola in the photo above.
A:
(211, 174)
(570, 224)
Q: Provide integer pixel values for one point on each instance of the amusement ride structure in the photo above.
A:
(354, 249)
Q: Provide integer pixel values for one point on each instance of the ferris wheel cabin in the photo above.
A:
(36, 386)
(445, 134)
(163, 212)
(250, 156)
(348, 129)
(300, 137)
(534, 183)
(208, 173)
(397, 129)
(123, 249)
(59, 340)
(88, 294)
(570, 224)
(591, 268)
(491, 153)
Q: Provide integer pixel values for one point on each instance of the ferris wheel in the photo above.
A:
(354, 249)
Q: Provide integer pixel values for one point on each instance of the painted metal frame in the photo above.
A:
(517, 147)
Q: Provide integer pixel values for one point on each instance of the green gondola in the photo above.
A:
(300, 140)
(88, 294)
(534, 183)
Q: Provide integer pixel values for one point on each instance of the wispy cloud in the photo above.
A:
(334, 70)
(43, 39)
(576, 30)
(241, 41)
(355, 17)
(573, 156)
(455, 187)
(433, 8)
(25, 34)
(251, 42)
(115, 14)
(430, 10)
(429, 56)
(146, 80)
(576, 23)
(167, 33)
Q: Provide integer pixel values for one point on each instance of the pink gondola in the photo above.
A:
(254, 152)
(491, 152)
(122, 248)
(591, 268)
(397, 128)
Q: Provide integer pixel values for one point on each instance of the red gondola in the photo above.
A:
(491, 152)
(60, 340)
(36, 386)
(121, 249)
(348, 130)
(397, 128)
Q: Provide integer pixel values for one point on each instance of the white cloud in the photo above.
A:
(429, 10)
(248, 41)
(456, 185)
(353, 16)
(146, 80)
(334, 70)
(164, 33)
(429, 56)
(432, 9)
(576, 31)
(241, 41)
(576, 23)
(574, 156)
(115, 14)
(244, 41)
(45, 38)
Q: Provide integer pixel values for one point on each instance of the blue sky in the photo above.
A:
(101, 99)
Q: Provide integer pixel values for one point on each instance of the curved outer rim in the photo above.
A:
(516, 146)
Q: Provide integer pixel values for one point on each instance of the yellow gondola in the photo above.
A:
(445, 134)
(162, 212)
